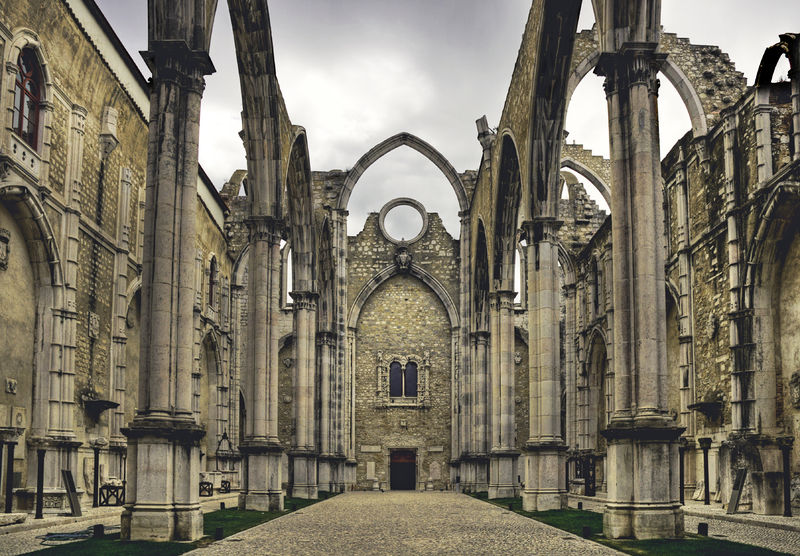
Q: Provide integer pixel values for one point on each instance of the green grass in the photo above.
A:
(231, 520)
(573, 521)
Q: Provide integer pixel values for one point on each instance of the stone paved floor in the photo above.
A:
(758, 535)
(403, 523)
(22, 542)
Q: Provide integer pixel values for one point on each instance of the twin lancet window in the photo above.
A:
(402, 380)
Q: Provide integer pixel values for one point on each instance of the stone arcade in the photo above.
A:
(149, 316)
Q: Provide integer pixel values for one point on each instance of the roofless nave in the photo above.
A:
(397, 363)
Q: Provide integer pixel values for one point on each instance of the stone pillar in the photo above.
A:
(503, 456)
(119, 337)
(162, 494)
(545, 483)
(643, 498)
(480, 411)
(762, 114)
(328, 461)
(261, 488)
(794, 76)
(571, 367)
(303, 453)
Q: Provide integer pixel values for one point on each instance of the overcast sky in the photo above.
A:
(355, 72)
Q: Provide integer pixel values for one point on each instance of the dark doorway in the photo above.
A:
(403, 470)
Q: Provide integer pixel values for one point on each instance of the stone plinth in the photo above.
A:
(163, 481)
(502, 474)
(261, 490)
(643, 489)
(545, 483)
(304, 475)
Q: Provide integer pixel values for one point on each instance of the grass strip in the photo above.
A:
(573, 521)
(231, 520)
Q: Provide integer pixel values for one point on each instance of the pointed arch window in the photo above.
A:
(27, 97)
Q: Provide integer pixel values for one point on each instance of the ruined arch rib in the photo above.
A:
(390, 144)
(590, 175)
(391, 271)
(672, 72)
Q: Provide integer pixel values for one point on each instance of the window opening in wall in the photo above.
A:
(212, 282)
(403, 380)
(27, 96)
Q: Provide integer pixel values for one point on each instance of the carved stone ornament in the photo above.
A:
(287, 362)
(11, 386)
(94, 325)
(794, 389)
(517, 357)
(5, 238)
(712, 326)
(403, 259)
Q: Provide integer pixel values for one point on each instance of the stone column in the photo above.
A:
(119, 337)
(545, 484)
(303, 453)
(503, 457)
(261, 488)
(643, 498)
(571, 367)
(480, 411)
(762, 114)
(162, 495)
(794, 76)
(328, 461)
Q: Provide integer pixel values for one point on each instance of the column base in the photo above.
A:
(304, 475)
(643, 490)
(330, 473)
(261, 488)
(161, 523)
(643, 521)
(502, 474)
(545, 481)
(163, 481)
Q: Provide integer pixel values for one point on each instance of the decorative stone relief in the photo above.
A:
(517, 357)
(287, 362)
(5, 238)
(712, 326)
(794, 389)
(94, 325)
(403, 259)
(11, 386)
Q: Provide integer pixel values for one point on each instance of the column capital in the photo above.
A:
(304, 300)
(542, 228)
(265, 228)
(480, 336)
(326, 338)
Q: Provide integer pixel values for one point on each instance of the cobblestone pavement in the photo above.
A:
(22, 542)
(755, 534)
(403, 523)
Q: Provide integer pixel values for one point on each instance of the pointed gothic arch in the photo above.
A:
(392, 143)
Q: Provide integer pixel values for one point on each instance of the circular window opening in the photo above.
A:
(403, 220)
(403, 223)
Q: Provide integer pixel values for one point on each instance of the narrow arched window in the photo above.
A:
(212, 282)
(395, 380)
(410, 386)
(27, 97)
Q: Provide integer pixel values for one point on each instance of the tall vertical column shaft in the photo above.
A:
(262, 489)
(503, 458)
(304, 457)
(641, 434)
(164, 454)
(545, 484)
